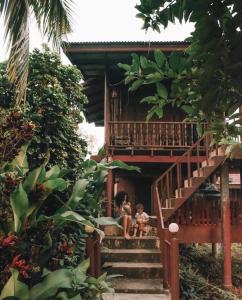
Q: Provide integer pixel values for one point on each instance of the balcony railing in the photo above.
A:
(156, 135)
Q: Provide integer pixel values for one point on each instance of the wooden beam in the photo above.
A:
(226, 223)
(154, 159)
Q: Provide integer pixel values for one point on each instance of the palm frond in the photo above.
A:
(16, 20)
(53, 18)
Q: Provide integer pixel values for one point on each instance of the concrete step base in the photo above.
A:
(131, 255)
(123, 296)
(138, 286)
(134, 270)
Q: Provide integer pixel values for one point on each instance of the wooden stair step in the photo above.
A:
(220, 152)
(134, 270)
(204, 171)
(119, 242)
(194, 181)
(184, 191)
(137, 286)
(124, 296)
(172, 202)
(131, 255)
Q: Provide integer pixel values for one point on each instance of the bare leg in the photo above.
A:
(135, 230)
(141, 227)
(126, 222)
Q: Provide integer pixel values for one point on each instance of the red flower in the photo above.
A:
(9, 241)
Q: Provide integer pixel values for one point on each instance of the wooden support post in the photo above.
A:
(226, 223)
(215, 246)
(97, 255)
(106, 112)
(109, 193)
(165, 263)
(175, 285)
(90, 254)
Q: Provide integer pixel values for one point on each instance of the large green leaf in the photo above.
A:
(77, 192)
(34, 177)
(122, 165)
(15, 288)
(59, 279)
(57, 184)
(124, 66)
(106, 221)
(72, 216)
(162, 90)
(53, 173)
(160, 58)
(136, 84)
(19, 203)
(89, 165)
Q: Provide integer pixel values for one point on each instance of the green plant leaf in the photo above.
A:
(144, 62)
(124, 66)
(106, 221)
(72, 216)
(149, 99)
(188, 109)
(57, 184)
(89, 165)
(160, 58)
(15, 288)
(122, 165)
(34, 177)
(136, 84)
(77, 192)
(162, 90)
(53, 173)
(19, 203)
(51, 283)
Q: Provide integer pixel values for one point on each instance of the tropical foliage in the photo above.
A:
(53, 19)
(40, 241)
(55, 104)
(206, 80)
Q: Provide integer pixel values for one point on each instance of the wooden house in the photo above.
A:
(175, 163)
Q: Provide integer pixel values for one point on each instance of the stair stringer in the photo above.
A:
(186, 192)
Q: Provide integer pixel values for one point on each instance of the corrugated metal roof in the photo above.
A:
(125, 43)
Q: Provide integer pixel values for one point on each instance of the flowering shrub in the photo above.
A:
(36, 242)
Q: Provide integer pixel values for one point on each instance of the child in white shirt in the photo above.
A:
(141, 220)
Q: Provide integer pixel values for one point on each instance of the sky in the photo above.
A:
(104, 20)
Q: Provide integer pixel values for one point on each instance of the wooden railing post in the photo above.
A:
(174, 262)
(90, 254)
(97, 255)
(93, 249)
(175, 281)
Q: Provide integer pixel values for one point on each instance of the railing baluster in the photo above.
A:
(168, 186)
(189, 168)
(185, 134)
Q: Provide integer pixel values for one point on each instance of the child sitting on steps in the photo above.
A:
(141, 220)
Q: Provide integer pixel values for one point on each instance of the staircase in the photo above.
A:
(183, 178)
(138, 261)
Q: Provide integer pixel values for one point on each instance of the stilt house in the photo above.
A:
(177, 167)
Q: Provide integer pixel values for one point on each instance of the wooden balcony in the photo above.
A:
(140, 137)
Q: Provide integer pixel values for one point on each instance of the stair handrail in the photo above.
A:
(201, 144)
